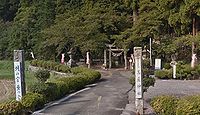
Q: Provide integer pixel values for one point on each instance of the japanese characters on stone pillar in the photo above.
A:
(138, 80)
(20, 87)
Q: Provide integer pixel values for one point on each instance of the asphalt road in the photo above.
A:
(106, 98)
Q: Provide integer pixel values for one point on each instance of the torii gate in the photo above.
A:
(110, 55)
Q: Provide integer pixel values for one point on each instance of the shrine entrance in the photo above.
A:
(116, 57)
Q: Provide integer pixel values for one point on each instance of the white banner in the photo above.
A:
(18, 82)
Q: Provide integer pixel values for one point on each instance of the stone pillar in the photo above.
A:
(20, 86)
(110, 60)
(138, 81)
(88, 59)
(105, 59)
(173, 64)
(125, 60)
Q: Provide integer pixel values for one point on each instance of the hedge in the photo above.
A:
(43, 92)
(11, 108)
(188, 106)
(164, 105)
(51, 65)
(33, 101)
(183, 71)
(169, 105)
(163, 74)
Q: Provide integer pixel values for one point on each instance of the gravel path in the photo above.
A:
(176, 88)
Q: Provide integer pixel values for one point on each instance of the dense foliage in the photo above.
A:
(183, 71)
(169, 105)
(164, 105)
(51, 27)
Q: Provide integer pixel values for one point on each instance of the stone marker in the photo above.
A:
(20, 87)
(173, 64)
(138, 80)
(88, 59)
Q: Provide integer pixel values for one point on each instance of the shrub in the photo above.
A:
(74, 83)
(188, 106)
(33, 101)
(77, 70)
(62, 88)
(48, 90)
(42, 75)
(164, 105)
(163, 74)
(167, 66)
(147, 82)
(186, 72)
(11, 108)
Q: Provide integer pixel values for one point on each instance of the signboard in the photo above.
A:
(18, 81)
(157, 63)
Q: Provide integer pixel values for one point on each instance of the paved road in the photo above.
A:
(107, 98)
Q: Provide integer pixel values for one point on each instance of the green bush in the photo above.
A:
(147, 82)
(77, 70)
(186, 72)
(167, 66)
(50, 65)
(62, 88)
(11, 108)
(42, 75)
(188, 106)
(48, 90)
(164, 105)
(163, 74)
(33, 101)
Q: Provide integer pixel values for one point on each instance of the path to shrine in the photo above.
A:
(108, 96)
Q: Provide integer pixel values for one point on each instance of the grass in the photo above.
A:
(7, 73)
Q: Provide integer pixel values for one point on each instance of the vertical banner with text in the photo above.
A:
(19, 74)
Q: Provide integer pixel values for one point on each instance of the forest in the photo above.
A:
(52, 27)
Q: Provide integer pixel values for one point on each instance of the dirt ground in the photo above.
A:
(7, 90)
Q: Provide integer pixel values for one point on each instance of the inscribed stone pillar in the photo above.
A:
(19, 74)
(138, 80)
